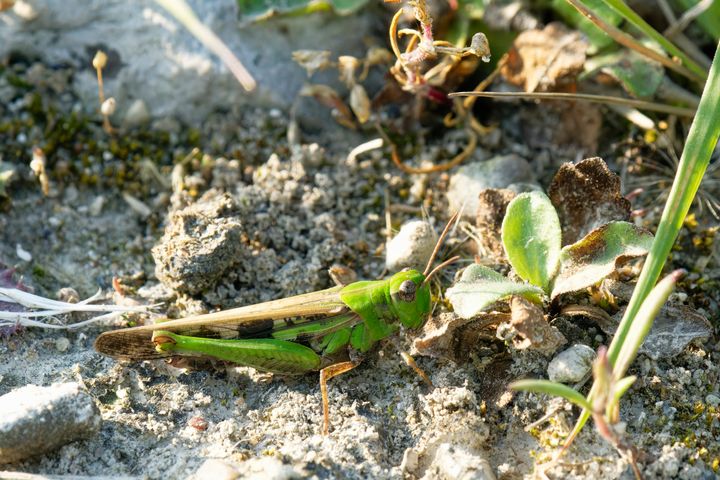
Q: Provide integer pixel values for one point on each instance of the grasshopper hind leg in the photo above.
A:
(326, 374)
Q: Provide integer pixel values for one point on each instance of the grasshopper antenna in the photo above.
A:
(444, 233)
(440, 267)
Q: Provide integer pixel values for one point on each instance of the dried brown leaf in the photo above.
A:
(528, 328)
(586, 196)
(547, 60)
(491, 210)
(450, 337)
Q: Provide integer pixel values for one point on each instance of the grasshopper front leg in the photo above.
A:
(326, 374)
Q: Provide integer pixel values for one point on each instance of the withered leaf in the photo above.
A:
(491, 210)
(597, 255)
(586, 196)
(674, 328)
(528, 328)
(546, 60)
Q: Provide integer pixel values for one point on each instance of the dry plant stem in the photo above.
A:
(459, 158)
(687, 18)
(101, 95)
(627, 41)
(626, 451)
(681, 40)
(469, 102)
(585, 97)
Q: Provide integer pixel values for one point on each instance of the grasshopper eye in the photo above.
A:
(406, 293)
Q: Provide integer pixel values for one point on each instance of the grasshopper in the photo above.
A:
(328, 330)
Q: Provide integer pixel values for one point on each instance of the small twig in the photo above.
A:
(459, 158)
(687, 18)
(584, 97)
(627, 41)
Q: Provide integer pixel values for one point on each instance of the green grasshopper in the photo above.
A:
(328, 330)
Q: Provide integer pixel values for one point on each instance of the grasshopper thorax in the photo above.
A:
(410, 297)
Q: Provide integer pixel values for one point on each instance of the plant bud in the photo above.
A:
(108, 107)
(360, 103)
(99, 60)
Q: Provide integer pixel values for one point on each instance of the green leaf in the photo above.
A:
(638, 75)
(595, 256)
(643, 322)
(622, 386)
(552, 388)
(261, 9)
(480, 287)
(597, 37)
(531, 236)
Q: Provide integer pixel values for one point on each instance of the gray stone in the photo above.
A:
(37, 419)
(153, 58)
(411, 247)
(497, 172)
(571, 365)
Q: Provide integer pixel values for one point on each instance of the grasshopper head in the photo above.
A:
(410, 296)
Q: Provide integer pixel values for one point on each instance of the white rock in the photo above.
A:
(22, 254)
(571, 365)
(137, 114)
(411, 247)
(62, 344)
(150, 53)
(498, 172)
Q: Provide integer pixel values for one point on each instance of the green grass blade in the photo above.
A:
(699, 147)
(184, 14)
(643, 322)
(629, 14)
(552, 388)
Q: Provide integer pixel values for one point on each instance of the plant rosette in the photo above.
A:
(532, 239)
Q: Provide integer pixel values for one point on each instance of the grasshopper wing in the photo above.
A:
(252, 321)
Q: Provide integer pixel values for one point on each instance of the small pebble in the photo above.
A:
(411, 247)
(712, 400)
(266, 468)
(96, 206)
(62, 344)
(37, 419)
(137, 114)
(22, 254)
(410, 461)
(68, 294)
(571, 365)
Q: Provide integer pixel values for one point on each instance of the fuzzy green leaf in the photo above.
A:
(480, 287)
(552, 388)
(638, 75)
(595, 256)
(531, 236)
